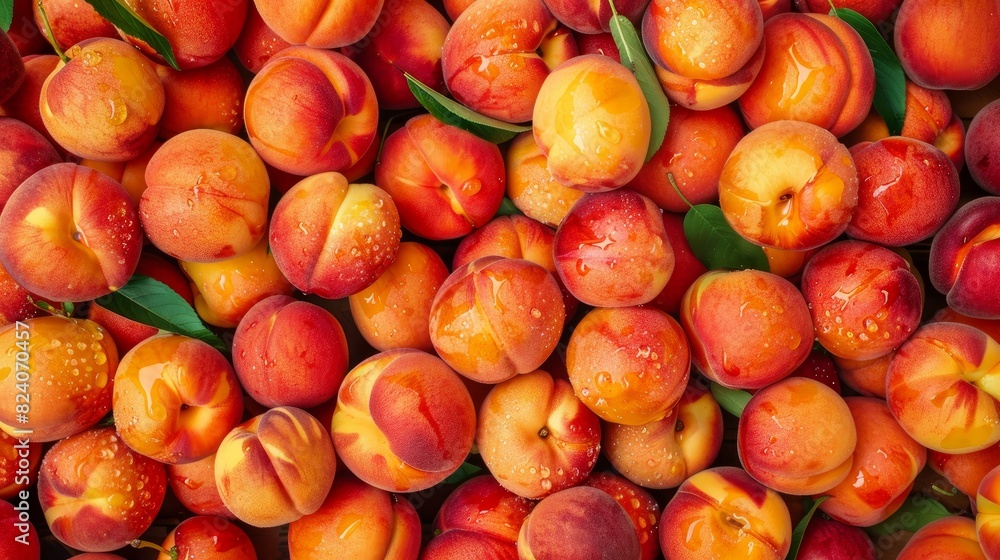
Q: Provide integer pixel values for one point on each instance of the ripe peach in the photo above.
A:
(24, 104)
(580, 522)
(11, 67)
(797, 436)
(23, 152)
(281, 120)
(640, 506)
(275, 468)
(454, 8)
(404, 422)
(19, 461)
(875, 10)
(199, 31)
(723, 513)
(747, 328)
(612, 250)
(819, 366)
(194, 486)
(536, 437)
(825, 539)
(988, 326)
(18, 538)
(324, 24)
(105, 103)
(289, 353)
(599, 43)
(963, 258)
(988, 514)
(530, 184)
(983, 148)
(687, 267)
(965, 471)
(445, 181)
(864, 299)
(706, 94)
(592, 122)
(482, 506)
(594, 17)
(206, 198)
(496, 57)
(789, 185)
(71, 22)
(460, 544)
(257, 42)
(68, 365)
(867, 377)
(207, 97)
(786, 263)
(211, 538)
(16, 303)
(96, 493)
(357, 521)
(332, 238)
(949, 538)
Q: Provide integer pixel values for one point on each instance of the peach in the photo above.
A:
(96, 493)
(131, 174)
(105, 103)
(797, 436)
(445, 181)
(175, 399)
(599, 43)
(771, 8)
(894, 174)
(580, 522)
(864, 299)
(23, 153)
(68, 365)
(988, 514)
(530, 184)
(454, 8)
(207, 197)
(592, 122)
(495, 318)
(594, 17)
(983, 148)
(747, 328)
(687, 267)
(281, 120)
(333, 238)
(693, 153)
(207, 97)
(16, 303)
(825, 539)
(875, 10)
(324, 24)
(640, 506)
(723, 513)
(404, 422)
(275, 467)
(11, 67)
(24, 104)
(194, 486)
(290, 353)
(18, 538)
(19, 462)
(789, 185)
(200, 32)
(71, 22)
(786, 263)
(867, 377)
(963, 258)
(357, 521)
(949, 538)
(934, 62)
(257, 42)
(819, 366)
(665, 453)
(535, 435)
(965, 471)
(612, 250)
(461, 544)
(211, 538)
(707, 94)
(496, 57)
(941, 388)
(988, 326)
(482, 506)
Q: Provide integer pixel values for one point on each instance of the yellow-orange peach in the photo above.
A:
(704, 95)
(24, 104)
(193, 484)
(963, 254)
(199, 31)
(950, 538)
(530, 184)
(71, 22)
(988, 514)
(324, 24)
(19, 461)
(580, 522)
(207, 97)
(867, 377)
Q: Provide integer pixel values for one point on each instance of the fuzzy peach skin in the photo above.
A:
(931, 59)
(24, 102)
(797, 436)
(281, 117)
(200, 32)
(16, 303)
(460, 544)
(212, 538)
(988, 326)
(723, 513)
(404, 422)
(18, 465)
(18, 538)
(535, 435)
(105, 103)
(580, 522)
(482, 506)
(942, 388)
(69, 233)
(257, 42)
(988, 514)
(983, 148)
(332, 238)
(131, 174)
(71, 22)
(175, 399)
(747, 328)
(193, 484)
(638, 503)
(789, 185)
(70, 365)
(600, 43)
(950, 538)
(207, 97)
(664, 453)
(324, 24)
(824, 539)
(206, 197)
(875, 10)
(357, 521)
(965, 471)
(693, 153)
(11, 67)
(275, 467)
(23, 31)
(445, 181)
(96, 493)
(496, 57)
(629, 365)
(864, 299)
(24, 152)
(867, 377)
(587, 17)
(706, 94)
(592, 122)
(530, 184)
(612, 250)
(963, 258)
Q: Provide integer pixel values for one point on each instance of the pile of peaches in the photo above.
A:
(252, 291)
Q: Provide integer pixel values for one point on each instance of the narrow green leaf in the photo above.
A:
(890, 81)
(6, 14)
(454, 113)
(465, 472)
(800, 529)
(634, 57)
(715, 243)
(732, 401)
(68, 308)
(124, 17)
(108, 420)
(153, 303)
(507, 208)
(915, 512)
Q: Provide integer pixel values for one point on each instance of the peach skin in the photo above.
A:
(71, 22)
(963, 256)
(210, 538)
(324, 24)
(11, 67)
(208, 97)
(23, 152)
(482, 506)
(200, 32)
(257, 43)
(16, 474)
(988, 514)
(641, 507)
(530, 184)
(982, 149)
(194, 486)
(949, 538)
(579, 522)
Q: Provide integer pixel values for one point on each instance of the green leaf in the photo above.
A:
(6, 14)
(715, 243)
(800, 529)
(68, 308)
(465, 472)
(915, 512)
(732, 401)
(507, 208)
(123, 17)
(634, 57)
(454, 113)
(890, 81)
(153, 303)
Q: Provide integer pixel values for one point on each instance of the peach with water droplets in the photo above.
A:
(193, 484)
(530, 184)
(640, 506)
(210, 538)
(200, 32)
